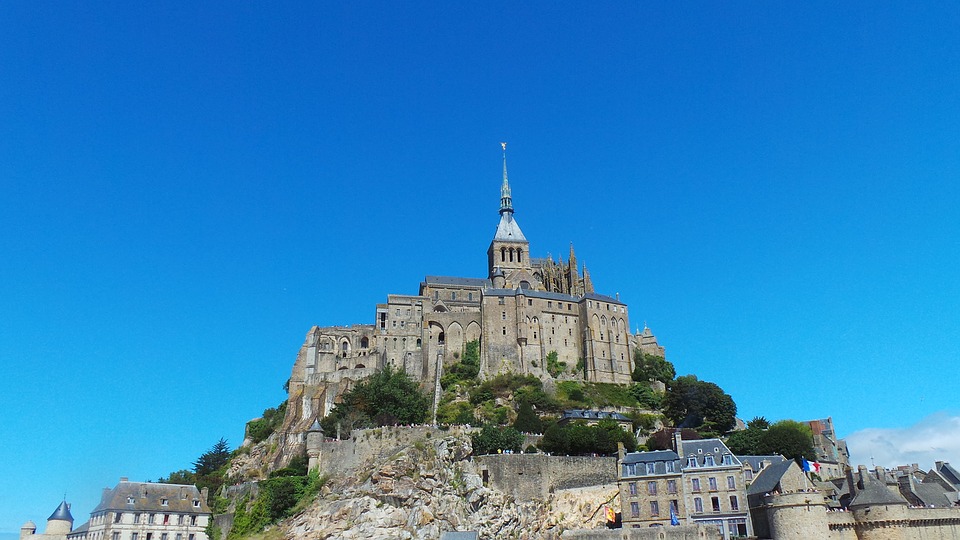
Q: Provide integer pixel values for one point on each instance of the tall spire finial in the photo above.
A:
(506, 201)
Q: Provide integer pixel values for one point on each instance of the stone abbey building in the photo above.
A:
(524, 309)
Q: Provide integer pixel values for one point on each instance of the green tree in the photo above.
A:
(182, 476)
(466, 369)
(758, 422)
(209, 468)
(527, 420)
(663, 439)
(492, 439)
(649, 367)
(387, 397)
(646, 396)
(746, 442)
(701, 405)
(579, 439)
(554, 366)
(788, 438)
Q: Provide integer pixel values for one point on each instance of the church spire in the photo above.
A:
(506, 201)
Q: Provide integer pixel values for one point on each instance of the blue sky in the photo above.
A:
(185, 190)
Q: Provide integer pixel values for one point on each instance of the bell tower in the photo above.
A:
(509, 251)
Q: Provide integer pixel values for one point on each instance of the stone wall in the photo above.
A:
(342, 457)
(534, 476)
(682, 532)
(883, 523)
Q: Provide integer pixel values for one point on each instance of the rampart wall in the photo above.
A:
(682, 532)
(534, 476)
(344, 456)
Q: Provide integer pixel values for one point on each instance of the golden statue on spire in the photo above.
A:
(504, 146)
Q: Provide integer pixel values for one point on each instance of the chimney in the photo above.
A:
(124, 479)
(204, 493)
(678, 443)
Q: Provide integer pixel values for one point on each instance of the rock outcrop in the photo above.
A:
(432, 486)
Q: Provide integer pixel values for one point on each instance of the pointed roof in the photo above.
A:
(506, 201)
(508, 229)
(62, 513)
(876, 492)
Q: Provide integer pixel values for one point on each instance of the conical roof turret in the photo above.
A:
(62, 513)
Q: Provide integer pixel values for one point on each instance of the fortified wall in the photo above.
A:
(804, 516)
(535, 476)
(680, 532)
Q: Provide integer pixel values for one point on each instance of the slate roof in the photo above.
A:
(604, 298)
(581, 414)
(754, 461)
(931, 494)
(647, 457)
(948, 472)
(508, 229)
(62, 513)
(551, 296)
(460, 281)
(150, 496)
(875, 492)
(769, 477)
(81, 529)
(700, 449)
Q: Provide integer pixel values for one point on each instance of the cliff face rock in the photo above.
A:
(431, 487)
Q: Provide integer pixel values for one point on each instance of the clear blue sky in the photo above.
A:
(185, 190)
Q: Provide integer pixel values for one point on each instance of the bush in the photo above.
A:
(554, 367)
(493, 439)
(579, 439)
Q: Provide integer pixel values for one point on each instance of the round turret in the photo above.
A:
(60, 521)
(499, 281)
(800, 515)
(28, 529)
(314, 438)
(880, 512)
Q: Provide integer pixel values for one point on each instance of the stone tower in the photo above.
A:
(60, 521)
(509, 251)
(799, 516)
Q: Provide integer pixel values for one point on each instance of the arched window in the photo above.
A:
(440, 338)
(344, 347)
(503, 254)
(524, 284)
(419, 343)
(519, 255)
(511, 254)
(364, 342)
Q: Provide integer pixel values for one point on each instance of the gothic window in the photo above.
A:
(503, 254)
(511, 254)
(419, 343)
(524, 284)
(519, 255)
(470, 297)
(453, 295)
(343, 348)
(364, 342)
(440, 338)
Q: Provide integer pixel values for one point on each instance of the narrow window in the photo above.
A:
(696, 484)
(519, 255)
(635, 509)
(731, 483)
(136, 518)
(654, 509)
(501, 300)
(193, 519)
(152, 518)
(633, 488)
(708, 461)
(503, 315)
(505, 332)
(713, 483)
(671, 486)
(698, 505)
(133, 536)
(715, 502)
(117, 517)
(529, 302)
(453, 295)
(469, 296)
(734, 503)
(503, 254)
(651, 468)
(651, 488)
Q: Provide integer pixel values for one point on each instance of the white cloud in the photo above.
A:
(934, 438)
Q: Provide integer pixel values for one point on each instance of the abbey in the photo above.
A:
(524, 309)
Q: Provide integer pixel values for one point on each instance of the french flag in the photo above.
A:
(811, 466)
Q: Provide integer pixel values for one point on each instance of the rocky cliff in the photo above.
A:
(431, 486)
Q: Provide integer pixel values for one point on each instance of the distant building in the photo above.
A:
(592, 417)
(59, 524)
(832, 452)
(700, 482)
(525, 310)
(147, 511)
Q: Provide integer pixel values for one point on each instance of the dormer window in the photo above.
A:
(671, 467)
(708, 461)
(651, 468)
(691, 462)
(727, 459)
(163, 502)
(131, 500)
(196, 503)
